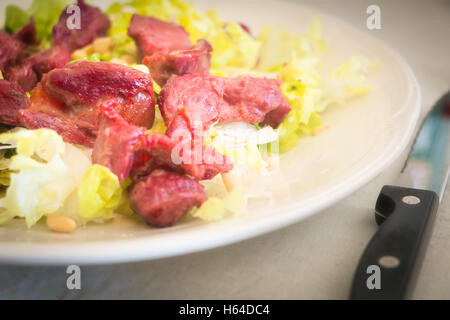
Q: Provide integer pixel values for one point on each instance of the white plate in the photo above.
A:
(365, 137)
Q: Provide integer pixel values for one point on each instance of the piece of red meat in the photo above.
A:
(275, 117)
(117, 141)
(165, 48)
(27, 34)
(163, 65)
(30, 71)
(163, 198)
(12, 99)
(206, 99)
(47, 112)
(127, 150)
(45, 61)
(12, 51)
(190, 99)
(67, 99)
(121, 146)
(250, 99)
(153, 35)
(93, 24)
(22, 75)
(27, 72)
(87, 81)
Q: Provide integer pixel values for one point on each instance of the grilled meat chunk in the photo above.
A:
(163, 198)
(12, 51)
(163, 65)
(166, 48)
(93, 24)
(153, 35)
(12, 99)
(27, 34)
(67, 99)
(207, 99)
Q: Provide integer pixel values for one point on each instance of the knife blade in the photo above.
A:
(391, 262)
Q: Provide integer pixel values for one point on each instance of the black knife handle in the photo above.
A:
(392, 259)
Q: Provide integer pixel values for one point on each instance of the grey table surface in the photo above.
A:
(313, 259)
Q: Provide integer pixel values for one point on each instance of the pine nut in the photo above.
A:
(82, 53)
(103, 45)
(59, 223)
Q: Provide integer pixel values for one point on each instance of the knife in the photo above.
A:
(390, 263)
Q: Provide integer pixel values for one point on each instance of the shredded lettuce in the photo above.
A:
(99, 193)
(215, 208)
(279, 45)
(124, 203)
(212, 210)
(297, 61)
(353, 73)
(310, 94)
(56, 177)
(44, 172)
(239, 141)
(303, 118)
(46, 14)
(97, 198)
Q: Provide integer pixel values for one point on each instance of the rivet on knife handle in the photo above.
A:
(392, 259)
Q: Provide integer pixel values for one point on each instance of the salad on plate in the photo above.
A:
(153, 109)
